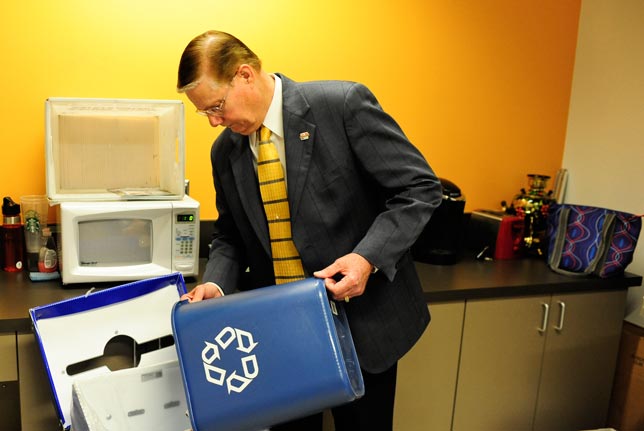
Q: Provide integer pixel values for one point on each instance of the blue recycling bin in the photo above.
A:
(266, 356)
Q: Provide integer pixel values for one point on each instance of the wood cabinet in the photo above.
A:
(426, 381)
(538, 362)
(36, 400)
(8, 363)
(9, 398)
(579, 361)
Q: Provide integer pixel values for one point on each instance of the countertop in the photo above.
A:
(479, 279)
(465, 280)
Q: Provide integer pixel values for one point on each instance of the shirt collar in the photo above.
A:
(274, 117)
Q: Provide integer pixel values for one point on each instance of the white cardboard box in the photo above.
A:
(114, 149)
(75, 339)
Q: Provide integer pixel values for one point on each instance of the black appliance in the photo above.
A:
(441, 241)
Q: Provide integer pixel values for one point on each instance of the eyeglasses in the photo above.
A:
(217, 110)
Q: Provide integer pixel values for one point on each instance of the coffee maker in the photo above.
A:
(441, 241)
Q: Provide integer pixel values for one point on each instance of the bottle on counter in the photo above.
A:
(13, 240)
(47, 256)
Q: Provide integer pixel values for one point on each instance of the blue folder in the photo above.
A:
(266, 356)
(77, 330)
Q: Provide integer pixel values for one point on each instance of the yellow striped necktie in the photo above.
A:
(286, 259)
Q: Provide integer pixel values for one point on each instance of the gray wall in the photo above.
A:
(604, 150)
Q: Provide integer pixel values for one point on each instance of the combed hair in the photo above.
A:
(215, 54)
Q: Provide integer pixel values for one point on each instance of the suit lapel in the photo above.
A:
(241, 163)
(298, 158)
(298, 140)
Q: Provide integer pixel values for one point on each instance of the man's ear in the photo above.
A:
(246, 72)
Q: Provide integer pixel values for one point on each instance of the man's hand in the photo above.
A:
(355, 270)
(202, 291)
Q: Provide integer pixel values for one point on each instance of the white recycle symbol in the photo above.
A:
(211, 353)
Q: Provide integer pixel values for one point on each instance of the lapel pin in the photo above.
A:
(304, 136)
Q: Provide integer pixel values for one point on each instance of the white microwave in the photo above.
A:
(128, 240)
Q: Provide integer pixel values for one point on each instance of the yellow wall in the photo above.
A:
(481, 87)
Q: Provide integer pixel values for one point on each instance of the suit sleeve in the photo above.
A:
(407, 186)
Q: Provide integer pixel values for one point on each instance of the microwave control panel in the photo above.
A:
(185, 249)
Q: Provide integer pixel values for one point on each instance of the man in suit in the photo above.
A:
(359, 195)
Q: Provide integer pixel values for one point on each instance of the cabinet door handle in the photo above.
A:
(544, 322)
(562, 315)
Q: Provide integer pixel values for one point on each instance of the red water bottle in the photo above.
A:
(13, 238)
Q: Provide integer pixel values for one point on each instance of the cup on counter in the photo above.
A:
(35, 209)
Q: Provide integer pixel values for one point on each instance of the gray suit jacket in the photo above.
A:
(355, 184)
